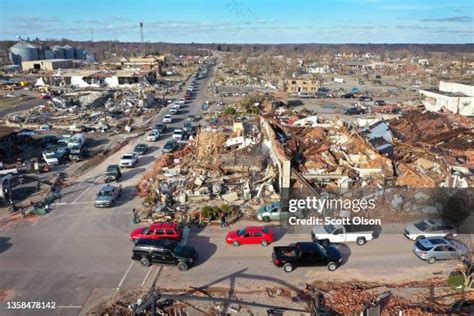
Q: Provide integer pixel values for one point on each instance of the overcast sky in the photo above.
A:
(242, 21)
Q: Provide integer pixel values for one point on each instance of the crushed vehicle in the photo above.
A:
(112, 173)
(306, 254)
(164, 251)
(108, 195)
(326, 234)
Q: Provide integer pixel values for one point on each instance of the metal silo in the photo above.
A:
(81, 53)
(23, 51)
(58, 52)
(48, 54)
(68, 51)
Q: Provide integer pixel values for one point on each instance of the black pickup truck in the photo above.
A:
(306, 254)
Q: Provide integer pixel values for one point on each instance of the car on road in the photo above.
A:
(326, 234)
(112, 173)
(430, 228)
(153, 135)
(251, 235)
(140, 149)
(167, 119)
(174, 111)
(365, 99)
(306, 254)
(168, 230)
(170, 146)
(432, 249)
(108, 195)
(160, 127)
(178, 134)
(129, 160)
(50, 158)
(354, 111)
(348, 96)
(379, 102)
(164, 251)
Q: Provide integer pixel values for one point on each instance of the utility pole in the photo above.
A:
(141, 39)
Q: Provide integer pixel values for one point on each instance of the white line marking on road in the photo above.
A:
(184, 239)
(83, 192)
(6, 226)
(125, 275)
(146, 276)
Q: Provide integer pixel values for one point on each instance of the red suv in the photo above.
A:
(165, 230)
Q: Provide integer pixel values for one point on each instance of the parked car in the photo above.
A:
(354, 111)
(161, 128)
(250, 235)
(50, 158)
(108, 195)
(348, 96)
(167, 119)
(62, 152)
(164, 251)
(326, 234)
(168, 230)
(112, 173)
(178, 134)
(174, 111)
(153, 136)
(379, 102)
(365, 98)
(192, 118)
(170, 146)
(437, 248)
(274, 212)
(76, 153)
(140, 149)
(430, 228)
(129, 160)
(306, 254)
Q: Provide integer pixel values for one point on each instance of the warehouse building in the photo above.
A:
(47, 64)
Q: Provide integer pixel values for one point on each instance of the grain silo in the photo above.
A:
(23, 51)
(59, 52)
(81, 53)
(48, 54)
(68, 51)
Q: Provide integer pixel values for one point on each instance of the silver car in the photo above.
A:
(430, 228)
(437, 248)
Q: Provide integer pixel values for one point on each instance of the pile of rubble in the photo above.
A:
(88, 110)
(220, 165)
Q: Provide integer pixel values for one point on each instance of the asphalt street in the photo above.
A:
(76, 249)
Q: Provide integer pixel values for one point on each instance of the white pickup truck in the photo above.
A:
(326, 234)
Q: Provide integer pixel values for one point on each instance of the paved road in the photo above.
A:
(76, 249)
